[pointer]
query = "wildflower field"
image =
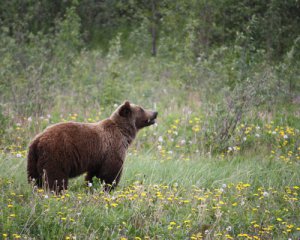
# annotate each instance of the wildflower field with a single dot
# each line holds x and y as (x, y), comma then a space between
(170, 189)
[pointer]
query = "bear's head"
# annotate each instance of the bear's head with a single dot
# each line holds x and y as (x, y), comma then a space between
(134, 115)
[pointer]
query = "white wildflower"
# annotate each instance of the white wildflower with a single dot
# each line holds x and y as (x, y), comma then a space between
(160, 139)
(229, 228)
(265, 194)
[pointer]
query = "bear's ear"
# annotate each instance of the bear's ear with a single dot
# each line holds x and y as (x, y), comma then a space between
(125, 109)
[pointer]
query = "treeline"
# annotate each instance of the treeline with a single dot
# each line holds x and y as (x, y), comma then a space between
(162, 27)
(60, 54)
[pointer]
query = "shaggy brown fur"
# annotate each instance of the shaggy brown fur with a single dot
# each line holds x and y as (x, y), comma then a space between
(66, 150)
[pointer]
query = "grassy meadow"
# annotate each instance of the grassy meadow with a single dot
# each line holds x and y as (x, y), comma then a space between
(170, 188)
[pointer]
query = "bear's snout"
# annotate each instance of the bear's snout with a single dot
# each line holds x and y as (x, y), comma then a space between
(151, 119)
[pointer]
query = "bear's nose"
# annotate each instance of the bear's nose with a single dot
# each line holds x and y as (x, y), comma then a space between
(155, 114)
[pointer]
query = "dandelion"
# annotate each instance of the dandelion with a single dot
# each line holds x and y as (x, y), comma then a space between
(196, 128)
(228, 236)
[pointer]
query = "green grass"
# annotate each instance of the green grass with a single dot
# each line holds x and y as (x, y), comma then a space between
(218, 198)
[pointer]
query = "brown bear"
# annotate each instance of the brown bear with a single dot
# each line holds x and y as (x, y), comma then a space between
(66, 150)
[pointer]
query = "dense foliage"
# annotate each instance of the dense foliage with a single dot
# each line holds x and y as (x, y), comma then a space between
(269, 25)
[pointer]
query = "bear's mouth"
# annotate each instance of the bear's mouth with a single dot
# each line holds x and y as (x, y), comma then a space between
(152, 119)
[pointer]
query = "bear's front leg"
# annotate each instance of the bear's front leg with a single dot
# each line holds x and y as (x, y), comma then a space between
(89, 176)
(111, 175)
